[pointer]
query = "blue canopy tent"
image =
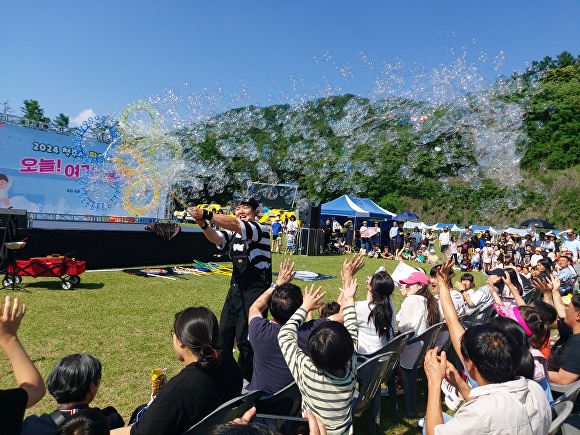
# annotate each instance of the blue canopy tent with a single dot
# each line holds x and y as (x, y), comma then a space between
(348, 206)
(356, 208)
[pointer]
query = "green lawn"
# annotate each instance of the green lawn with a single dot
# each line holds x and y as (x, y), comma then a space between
(125, 321)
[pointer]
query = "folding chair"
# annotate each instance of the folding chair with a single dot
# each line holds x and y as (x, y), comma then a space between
(397, 344)
(468, 320)
(568, 392)
(563, 410)
(370, 375)
(409, 376)
(229, 411)
(485, 313)
(287, 402)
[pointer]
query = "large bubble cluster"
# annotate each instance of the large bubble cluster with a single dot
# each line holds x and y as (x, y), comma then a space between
(196, 144)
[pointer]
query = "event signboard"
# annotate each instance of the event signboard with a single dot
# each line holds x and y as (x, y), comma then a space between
(40, 172)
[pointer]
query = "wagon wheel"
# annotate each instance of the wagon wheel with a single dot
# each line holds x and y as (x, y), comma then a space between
(7, 281)
(74, 279)
(66, 285)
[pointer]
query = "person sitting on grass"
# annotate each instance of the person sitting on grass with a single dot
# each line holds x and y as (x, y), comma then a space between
(328, 374)
(386, 254)
(210, 378)
(31, 389)
(73, 382)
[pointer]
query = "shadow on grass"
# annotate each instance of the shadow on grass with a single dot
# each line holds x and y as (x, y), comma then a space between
(56, 284)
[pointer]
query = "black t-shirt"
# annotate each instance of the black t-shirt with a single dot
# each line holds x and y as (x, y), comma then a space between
(12, 406)
(566, 356)
(189, 397)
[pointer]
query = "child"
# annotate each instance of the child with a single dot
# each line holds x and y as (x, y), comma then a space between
(386, 254)
(278, 242)
(432, 258)
(373, 252)
(421, 255)
(407, 252)
(327, 376)
(328, 310)
(476, 259)
(289, 243)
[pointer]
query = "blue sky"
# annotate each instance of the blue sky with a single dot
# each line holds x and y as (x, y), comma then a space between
(86, 57)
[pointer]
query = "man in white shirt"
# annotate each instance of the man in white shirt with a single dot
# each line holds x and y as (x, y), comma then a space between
(502, 402)
(572, 244)
(393, 235)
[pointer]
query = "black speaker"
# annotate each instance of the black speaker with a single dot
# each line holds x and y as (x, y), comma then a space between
(20, 215)
(311, 217)
(310, 241)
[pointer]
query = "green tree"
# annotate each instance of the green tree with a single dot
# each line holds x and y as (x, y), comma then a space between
(33, 111)
(61, 120)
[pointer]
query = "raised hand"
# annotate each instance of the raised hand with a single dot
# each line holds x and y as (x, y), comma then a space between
(312, 298)
(435, 366)
(286, 273)
(11, 318)
(348, 291)
(351, 266)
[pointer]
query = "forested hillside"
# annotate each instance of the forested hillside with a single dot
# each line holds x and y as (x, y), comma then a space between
(457, 163)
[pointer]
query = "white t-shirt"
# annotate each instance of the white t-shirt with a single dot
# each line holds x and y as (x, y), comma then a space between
(412, 317)
(458, 303)
(368, 339)
(480, 297)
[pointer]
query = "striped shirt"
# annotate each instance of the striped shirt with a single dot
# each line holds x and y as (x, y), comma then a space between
(253, 237)
(327, 396)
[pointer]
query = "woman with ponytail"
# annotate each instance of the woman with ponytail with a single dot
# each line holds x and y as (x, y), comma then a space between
(210, 378)
(419, 311)
(375, 316)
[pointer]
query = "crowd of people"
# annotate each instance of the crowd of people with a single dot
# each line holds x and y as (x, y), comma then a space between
(508, 360)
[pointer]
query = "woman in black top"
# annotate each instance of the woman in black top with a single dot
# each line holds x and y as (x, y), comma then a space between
(210, 378)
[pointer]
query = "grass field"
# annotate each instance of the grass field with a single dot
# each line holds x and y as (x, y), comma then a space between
(125, 320)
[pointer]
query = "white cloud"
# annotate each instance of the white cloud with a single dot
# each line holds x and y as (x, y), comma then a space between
(75, 121)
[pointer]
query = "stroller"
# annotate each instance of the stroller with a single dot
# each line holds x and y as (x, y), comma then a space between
(336, 246)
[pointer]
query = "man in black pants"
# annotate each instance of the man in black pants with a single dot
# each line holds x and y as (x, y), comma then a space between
(252, 271)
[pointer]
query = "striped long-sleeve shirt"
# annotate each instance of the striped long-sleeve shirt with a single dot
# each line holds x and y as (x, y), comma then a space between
(253, 243)
(327, 396)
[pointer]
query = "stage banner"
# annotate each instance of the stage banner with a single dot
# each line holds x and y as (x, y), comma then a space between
(40, 172)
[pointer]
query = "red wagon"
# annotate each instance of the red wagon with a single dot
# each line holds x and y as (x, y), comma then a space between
(63, 267)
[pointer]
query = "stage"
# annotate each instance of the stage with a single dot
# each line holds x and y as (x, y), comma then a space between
(114, 244)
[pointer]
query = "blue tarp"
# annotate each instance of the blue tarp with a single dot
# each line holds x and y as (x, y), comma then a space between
(354, 207)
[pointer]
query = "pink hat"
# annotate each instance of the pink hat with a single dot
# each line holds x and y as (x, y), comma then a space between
(416, 277)
(512, 312)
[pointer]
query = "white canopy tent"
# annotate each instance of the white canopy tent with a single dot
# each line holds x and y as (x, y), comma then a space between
(421, 225)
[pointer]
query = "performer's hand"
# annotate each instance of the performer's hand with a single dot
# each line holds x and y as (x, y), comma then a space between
(196, 212)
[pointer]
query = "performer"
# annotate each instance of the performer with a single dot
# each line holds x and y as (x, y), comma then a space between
(252, 271)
